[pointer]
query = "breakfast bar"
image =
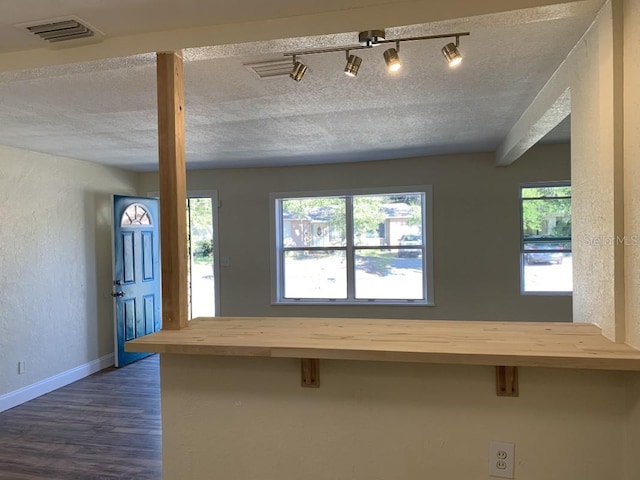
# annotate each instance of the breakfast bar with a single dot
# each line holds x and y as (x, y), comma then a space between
(233, 405)
(517, 344)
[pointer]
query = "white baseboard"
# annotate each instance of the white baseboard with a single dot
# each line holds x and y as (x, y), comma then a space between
(18, 397)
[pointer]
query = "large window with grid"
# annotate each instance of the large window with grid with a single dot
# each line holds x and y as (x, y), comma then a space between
(365, 246)
(545, 252)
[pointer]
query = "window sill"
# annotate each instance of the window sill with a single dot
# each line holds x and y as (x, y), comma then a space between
(547, 294)
(518, 344)
(364, 303)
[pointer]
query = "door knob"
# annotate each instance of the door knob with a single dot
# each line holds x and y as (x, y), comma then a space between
(118, 294)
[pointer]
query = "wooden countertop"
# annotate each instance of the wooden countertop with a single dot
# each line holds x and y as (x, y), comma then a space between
(563, 345)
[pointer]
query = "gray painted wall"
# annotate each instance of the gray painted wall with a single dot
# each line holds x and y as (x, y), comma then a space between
(476, 232)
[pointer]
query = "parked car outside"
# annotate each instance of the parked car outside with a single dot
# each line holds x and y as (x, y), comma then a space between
(549, 253)
(410, 240)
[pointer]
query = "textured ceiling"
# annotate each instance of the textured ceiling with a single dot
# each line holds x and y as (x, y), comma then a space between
(117, 18)
(105, 111)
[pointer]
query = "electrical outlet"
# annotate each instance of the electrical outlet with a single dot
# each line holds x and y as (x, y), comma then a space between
(501, 459)
(22, 367)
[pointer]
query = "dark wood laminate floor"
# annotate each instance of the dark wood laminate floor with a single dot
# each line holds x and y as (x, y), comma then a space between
(106, 426)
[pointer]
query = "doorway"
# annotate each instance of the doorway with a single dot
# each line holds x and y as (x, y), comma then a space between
(202, 250)
(136, 273)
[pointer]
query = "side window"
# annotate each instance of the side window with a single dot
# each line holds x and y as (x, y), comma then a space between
(545, 249)
(364, 247)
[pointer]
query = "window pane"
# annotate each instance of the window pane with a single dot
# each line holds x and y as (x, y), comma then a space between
(385, 274)
(315, 274)
(385, 219)
(545, 192)
(135, 214)
(549, 272)
(546, 218)
(546, 233)
(313, 222)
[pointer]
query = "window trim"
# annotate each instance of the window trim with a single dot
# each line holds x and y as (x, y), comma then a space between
(277, 259)
(521, 250)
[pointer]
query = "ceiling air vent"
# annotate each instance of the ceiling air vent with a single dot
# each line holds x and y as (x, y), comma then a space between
(61, 29)
(276, 68)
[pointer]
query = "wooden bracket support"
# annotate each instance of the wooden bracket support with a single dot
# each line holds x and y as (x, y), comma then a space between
(310, 369)
(507, 382)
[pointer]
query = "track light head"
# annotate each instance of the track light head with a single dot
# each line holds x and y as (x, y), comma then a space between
(452, 54)
(353, 65)
(392, 60)
(298, 70)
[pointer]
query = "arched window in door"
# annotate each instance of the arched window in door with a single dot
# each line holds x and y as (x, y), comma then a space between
(135, 215)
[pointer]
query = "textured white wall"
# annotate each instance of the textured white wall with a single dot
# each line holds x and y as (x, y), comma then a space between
(632, 166)
(248, 418)
(596, 173)
(632, 218)
(590, 204)
(55, 263)
(476, 228)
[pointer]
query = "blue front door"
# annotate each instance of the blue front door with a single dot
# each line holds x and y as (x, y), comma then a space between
(136, 283)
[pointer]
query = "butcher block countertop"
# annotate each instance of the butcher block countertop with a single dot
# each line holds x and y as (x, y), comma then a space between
(519, 344)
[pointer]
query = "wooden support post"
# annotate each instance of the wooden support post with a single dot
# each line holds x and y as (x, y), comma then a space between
(173, 191)
(507, 382)
(310, 372)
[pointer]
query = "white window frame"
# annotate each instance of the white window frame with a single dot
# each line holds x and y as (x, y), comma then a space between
(277, 259)
(564, 183)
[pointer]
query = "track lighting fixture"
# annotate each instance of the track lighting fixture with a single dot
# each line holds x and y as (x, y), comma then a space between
(298, 70)
(372, 38)
(353, 65)
(452, 54)
(392, 59)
